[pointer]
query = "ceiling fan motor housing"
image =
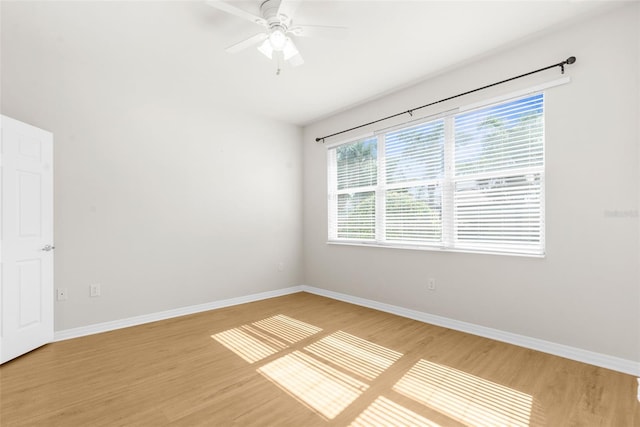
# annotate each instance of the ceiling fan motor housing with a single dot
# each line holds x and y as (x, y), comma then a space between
(269, 11)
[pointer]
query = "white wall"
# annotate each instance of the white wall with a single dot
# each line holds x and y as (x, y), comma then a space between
(165, 197)
(156, 196)
(585, 293)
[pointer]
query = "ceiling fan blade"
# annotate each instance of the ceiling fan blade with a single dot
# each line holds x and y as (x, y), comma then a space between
(255, 39)
(226, 7)
(321, 31)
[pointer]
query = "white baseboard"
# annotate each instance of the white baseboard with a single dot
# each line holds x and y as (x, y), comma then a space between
(163, 315)
(580, 355)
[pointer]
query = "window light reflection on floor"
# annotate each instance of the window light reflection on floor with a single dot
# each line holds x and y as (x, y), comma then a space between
(256, 341)
(266, 338)
(317, 385)
(286, 328)
(384, 412)
(464, 397)
(354, 354)
(244, 345)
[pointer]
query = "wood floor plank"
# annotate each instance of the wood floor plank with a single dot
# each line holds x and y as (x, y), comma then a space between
(305, 360)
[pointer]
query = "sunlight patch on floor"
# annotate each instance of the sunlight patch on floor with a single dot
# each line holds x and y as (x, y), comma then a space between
(354, 354)
(464, 397)
(385, 412)
(286, 328)
(256, 341)
(317, 385)
(314, 376)
(243, 344)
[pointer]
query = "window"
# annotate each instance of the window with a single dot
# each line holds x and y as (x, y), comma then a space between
(473, 181)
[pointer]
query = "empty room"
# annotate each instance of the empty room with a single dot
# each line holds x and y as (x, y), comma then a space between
(320, 213)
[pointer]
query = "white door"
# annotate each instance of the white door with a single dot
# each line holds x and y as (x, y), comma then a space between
(26, 236)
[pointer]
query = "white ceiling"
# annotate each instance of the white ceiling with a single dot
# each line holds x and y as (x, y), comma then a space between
(177, 48)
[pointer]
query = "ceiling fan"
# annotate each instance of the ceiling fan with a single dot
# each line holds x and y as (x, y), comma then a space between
(275, 41)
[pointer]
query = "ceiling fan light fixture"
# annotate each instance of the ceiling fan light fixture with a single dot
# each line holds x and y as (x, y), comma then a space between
(266, 49)
(278, 39)
(289, 50)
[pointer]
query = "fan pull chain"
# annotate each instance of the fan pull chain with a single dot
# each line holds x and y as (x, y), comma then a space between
(279, 64)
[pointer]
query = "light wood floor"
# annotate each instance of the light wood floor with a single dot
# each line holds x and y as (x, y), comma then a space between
(305, 360)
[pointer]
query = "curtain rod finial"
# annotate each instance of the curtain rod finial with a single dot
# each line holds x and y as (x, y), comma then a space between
(570, 60)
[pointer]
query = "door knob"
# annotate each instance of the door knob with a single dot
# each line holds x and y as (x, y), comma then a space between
(48, 248)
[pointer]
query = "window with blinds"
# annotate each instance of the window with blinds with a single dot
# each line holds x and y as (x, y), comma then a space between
(472, 182)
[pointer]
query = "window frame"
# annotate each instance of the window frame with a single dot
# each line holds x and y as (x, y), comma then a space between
(447, 182)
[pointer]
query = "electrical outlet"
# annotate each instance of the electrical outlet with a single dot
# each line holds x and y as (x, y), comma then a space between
(94, 290)
(431, 284)
(61, 294)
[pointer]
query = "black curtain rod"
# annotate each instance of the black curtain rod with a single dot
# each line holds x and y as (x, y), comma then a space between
(568, 61)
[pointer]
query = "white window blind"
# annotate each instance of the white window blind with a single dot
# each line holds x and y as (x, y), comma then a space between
(477, 187)
(414, 160)
(353, 210)
(499, 161)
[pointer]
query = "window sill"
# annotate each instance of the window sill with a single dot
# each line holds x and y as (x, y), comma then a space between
(432, 248)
